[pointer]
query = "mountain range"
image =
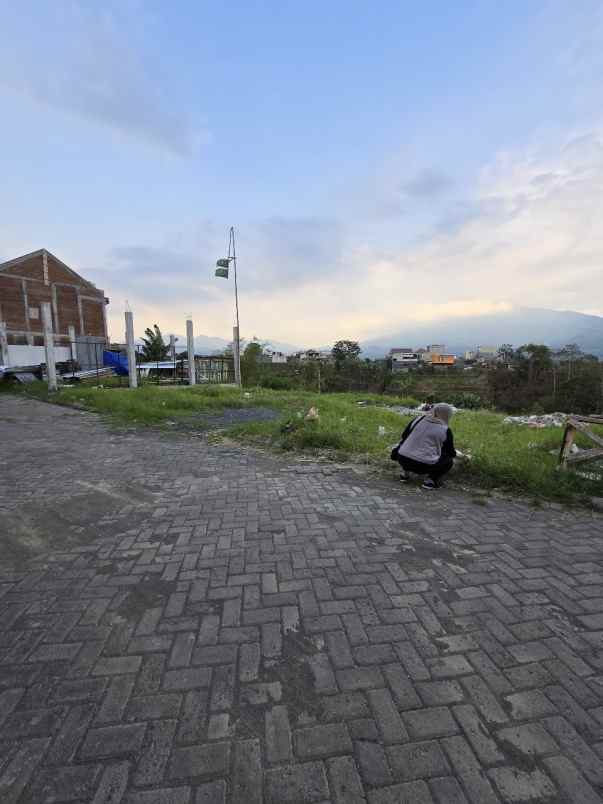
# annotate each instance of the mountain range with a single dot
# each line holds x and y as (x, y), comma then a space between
(518, 326)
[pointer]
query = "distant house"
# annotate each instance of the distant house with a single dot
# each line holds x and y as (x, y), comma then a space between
(274, 357)
(443, 360)
(78, 312)
(314, 354)
(487, 353)
(403, 359)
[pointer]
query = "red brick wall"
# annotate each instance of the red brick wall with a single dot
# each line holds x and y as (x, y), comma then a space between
(32, 268)
(66, 285)
(67, 308)
(11, 302)
(93, 318)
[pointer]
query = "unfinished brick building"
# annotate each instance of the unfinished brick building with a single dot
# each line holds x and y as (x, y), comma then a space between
(78, 311)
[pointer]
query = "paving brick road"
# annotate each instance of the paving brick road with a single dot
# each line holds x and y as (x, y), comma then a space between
(187, 623)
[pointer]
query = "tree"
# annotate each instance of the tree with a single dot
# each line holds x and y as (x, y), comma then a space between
(570, 353)
(506, 352)
(250, 363)
(538, 358)
(153, 348)
(344, 352)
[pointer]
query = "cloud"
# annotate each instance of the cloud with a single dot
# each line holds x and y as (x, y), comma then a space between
(427, 184)
(529, 235)
(291, 252)
(94, 70)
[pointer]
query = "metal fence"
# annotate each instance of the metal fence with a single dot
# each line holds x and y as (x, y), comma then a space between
(88, 365)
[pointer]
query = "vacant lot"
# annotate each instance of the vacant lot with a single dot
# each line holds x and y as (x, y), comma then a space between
(350, 427)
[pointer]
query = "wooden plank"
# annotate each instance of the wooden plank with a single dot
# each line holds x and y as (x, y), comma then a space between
(594, 419)
(588, 433)
(585, 455)
(569, 435)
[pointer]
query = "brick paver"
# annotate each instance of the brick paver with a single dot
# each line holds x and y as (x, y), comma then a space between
(193, 623)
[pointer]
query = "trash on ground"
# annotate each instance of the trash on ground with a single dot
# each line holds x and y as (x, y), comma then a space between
(381, 430)
(312, 415)
(539, 421)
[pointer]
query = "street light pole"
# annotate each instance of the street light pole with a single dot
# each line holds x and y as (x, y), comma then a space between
(237, 338)
(222, 267)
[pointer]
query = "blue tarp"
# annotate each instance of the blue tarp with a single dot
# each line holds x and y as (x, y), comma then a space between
(117, 361)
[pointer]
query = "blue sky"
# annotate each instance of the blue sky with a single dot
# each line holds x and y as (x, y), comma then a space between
(407, 161)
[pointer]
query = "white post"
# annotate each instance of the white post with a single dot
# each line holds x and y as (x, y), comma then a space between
(173, 347)
(237, 355)
(51, 371)
(131, 350)
(72, 344)
(3, 345)
(190, 344)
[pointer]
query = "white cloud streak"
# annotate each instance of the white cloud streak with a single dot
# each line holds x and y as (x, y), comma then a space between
(92, 68)
(533, 238)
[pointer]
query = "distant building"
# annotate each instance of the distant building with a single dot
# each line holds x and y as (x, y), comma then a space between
(78, 312)
(440, 359)
(403, 359)
(274, 357)
(314, 354)
(487, 352)
(470, 356)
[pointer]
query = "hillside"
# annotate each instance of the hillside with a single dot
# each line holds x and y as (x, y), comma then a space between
(522, 325)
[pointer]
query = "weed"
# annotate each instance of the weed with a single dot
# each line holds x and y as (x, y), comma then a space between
(502, 456)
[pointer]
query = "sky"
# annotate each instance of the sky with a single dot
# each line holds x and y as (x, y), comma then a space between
(381, 163)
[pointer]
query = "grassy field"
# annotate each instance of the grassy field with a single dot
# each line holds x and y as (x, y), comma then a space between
(503, 456)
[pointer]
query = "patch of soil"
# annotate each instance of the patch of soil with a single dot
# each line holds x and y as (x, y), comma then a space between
(298, 693)
(421, 553)
(145, 595)
(295, 675)
(228, 418)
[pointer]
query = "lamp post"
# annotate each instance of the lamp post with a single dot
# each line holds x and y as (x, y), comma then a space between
(222, 267)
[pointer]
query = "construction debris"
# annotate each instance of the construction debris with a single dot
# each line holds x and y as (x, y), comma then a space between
(538, 421)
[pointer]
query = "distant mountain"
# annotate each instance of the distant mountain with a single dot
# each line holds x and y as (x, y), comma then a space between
(521, 325)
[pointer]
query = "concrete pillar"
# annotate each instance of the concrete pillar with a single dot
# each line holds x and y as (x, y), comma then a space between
(80, 311)
(173, 347)
(3, 345)
(51, 371)
(133, 378)
(190, 345)
(72, 343)
(236, 348)
(55, 309)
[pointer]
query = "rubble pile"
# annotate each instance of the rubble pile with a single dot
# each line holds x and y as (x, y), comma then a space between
(538, 421)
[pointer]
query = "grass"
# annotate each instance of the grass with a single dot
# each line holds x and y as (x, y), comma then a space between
(503, 456)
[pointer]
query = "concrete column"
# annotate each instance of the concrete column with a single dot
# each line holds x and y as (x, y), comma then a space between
(51, 371)
(173, 347)
(72, 343)
(236, 348)
(55, 309)
(3, 345)
(131, 351)
(26, 308)
(190, 345)
(80, 311)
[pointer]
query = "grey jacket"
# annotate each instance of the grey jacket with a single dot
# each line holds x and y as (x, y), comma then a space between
(426, 441)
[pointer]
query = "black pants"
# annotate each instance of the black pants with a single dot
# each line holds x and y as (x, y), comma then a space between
(433, 470)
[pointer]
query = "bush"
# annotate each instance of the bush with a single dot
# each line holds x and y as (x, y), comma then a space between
(276, 383)
(466, 400)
